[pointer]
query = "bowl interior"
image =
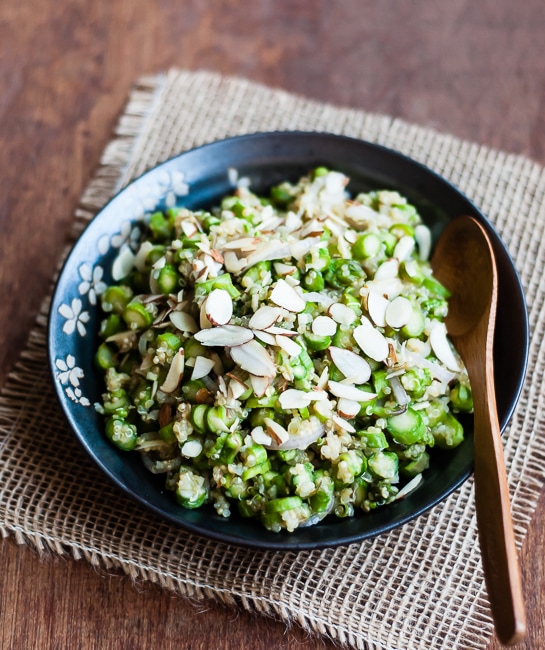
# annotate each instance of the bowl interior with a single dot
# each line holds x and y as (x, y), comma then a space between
(197, 179)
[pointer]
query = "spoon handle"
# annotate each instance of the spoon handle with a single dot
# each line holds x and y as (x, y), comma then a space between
(496, 536)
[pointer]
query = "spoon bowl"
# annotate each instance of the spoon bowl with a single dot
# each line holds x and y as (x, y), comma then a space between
(464, 262)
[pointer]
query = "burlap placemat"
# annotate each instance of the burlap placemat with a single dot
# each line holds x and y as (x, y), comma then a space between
(420, 586)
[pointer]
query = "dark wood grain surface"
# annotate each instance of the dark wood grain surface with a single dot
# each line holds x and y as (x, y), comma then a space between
(474, 69)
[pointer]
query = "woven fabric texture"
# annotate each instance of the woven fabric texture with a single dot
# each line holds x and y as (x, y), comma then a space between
(420, 586)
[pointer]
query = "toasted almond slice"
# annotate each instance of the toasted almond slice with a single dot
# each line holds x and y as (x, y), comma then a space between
(254, 358)
(341, 313)
(319, 298)
(411, 485)
(388, 269)
(232, 263)
(317, 394)
(389, 288)
(288, 345)
(350, 364)
(123, 263)
(175, 373)
(347, 408)
(276, 431)
(343, 424)
(284, 269)
(267, 338)
(372, 342)
(312, 227)
(292, 281)
(225, 336)
(216, 256)
(376, 306)
(422, 235)
(260, 437)
(273, 249)
(242, 244)
(260, 385)
(441, 346)
(323, 379)
(323, 326)
(404, 248)
(286, 296)
(300, 247)
(349, 392)
(203, 318)
(219, 307)
(183, 321)
(142, 255)
(236, 386)
(202, 367)
(398, 312)
(265, 317)
(281, 330)
(293, 222)
(360, 213)
(294, 399)
(189, 228)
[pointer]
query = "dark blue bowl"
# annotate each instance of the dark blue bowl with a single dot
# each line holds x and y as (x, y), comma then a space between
(199, 178)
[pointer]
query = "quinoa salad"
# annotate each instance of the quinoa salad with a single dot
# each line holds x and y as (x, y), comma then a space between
(283, 357)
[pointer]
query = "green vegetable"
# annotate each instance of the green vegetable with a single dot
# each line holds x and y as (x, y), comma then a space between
(218, 372)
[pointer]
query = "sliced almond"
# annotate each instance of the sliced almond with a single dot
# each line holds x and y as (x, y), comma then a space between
(232, 263)
(142, 255)
(407, 489)
(398, 312)
(350, 364)
(372, 342)
(203, 366)
(276, 431)
(349, 392)
(123, 263)
(347, 408)
(236, 386)
(266, 337)
(341, 313)
(183, 321)
(175, 373)
(343, 424)
(312, 227)
(260, 437)
(216, 256)
(404, 248)
(265, 317)
(422, 235)
(284, 269)
(260, 385)
(219, 307)
(225, 336)
(254, 358)
(323, 326)
(389, 287)
(243, 244)
(441, 346)
(281, 330)
(388, 269)
(189, 228)
(294, 399)
(319, 298)
(376, 306)
(203, 318)
(288, 345)
(273, 249)
(286, 296)
(300, 247)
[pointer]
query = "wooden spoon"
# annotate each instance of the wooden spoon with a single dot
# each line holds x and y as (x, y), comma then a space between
(464, 262)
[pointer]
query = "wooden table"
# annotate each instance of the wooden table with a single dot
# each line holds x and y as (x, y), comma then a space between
(476, 70)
